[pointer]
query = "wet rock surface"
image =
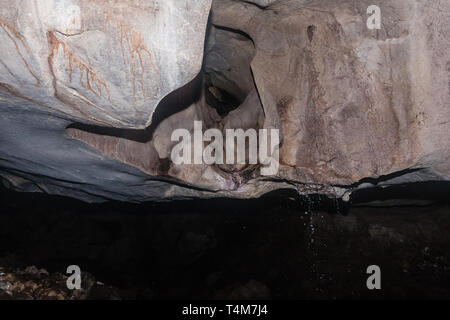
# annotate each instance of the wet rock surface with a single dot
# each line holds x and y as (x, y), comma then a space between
(279, 246)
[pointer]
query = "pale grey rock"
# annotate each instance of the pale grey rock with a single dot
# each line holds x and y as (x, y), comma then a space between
(355, 107)
(108, 62)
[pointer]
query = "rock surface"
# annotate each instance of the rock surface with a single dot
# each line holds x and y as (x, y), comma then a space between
(106, 62)
(82, 86)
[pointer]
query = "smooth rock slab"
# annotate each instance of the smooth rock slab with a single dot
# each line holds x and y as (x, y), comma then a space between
(108, 62)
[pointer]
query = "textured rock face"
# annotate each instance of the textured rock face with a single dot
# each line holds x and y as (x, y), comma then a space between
(108, 62)
(80, 83)
(351, 102)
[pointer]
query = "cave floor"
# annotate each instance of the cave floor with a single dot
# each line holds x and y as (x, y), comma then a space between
(271, 248)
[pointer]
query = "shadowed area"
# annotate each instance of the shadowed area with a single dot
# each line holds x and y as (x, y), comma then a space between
(278, 246)
(174, 102)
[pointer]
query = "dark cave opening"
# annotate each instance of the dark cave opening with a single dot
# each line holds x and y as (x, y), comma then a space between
(221, 100)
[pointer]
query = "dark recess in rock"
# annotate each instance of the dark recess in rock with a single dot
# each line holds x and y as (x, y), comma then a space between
(91, 92)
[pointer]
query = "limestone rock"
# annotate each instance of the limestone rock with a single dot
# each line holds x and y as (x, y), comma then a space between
(82, 86)
(107, 62)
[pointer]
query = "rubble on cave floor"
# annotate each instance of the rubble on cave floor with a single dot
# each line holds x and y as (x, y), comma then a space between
(31, 283)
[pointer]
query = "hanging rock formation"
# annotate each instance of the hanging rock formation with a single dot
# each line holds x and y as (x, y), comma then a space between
(90, 93)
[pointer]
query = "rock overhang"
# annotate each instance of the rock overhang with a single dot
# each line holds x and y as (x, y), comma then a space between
(351, 104)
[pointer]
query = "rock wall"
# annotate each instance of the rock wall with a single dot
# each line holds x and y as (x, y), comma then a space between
(85, 108)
